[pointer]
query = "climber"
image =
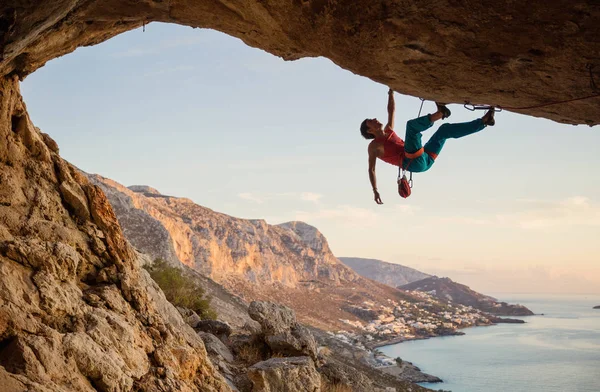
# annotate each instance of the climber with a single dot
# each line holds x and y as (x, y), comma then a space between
(411, 155)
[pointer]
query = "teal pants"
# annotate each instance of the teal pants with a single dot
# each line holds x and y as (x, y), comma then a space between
(412, 140)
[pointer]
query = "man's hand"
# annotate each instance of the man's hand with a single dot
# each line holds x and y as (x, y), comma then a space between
(377, 197)
(391, 108)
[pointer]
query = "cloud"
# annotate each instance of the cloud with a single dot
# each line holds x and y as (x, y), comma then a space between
(407, 209)
(251, 197)
(465, 220)
(310, 196)
(343, 214)
(573, 211)
(263, 197)
(534, 214)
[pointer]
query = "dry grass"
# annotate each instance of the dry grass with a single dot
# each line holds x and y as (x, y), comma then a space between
(250, 354)
(325, 352)
(326, 386)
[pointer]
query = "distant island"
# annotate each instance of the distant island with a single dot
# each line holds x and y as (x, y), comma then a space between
(597, 307)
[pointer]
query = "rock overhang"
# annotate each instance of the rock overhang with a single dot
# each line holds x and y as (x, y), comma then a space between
(512, 54)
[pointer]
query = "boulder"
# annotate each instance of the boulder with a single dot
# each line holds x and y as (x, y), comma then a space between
(215, 327)
(215, 347)
(273, 318)
(190, 317)
(74, 196)
(294, 374)
(281, 331)
(336, 373)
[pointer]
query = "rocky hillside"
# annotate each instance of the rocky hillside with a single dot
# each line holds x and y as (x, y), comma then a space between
(225, 248)
(76, 311)
(387, 273)
(289, 263)
(447, 290)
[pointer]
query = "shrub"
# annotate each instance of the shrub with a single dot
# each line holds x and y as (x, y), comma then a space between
(327, 386)
(180, 289)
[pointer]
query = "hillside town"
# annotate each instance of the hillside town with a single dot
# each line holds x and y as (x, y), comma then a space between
(402, 320)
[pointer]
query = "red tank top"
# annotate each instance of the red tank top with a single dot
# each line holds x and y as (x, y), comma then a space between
(393, 148)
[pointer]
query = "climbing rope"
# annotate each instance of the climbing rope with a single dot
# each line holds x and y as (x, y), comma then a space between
(596, 93)
(422, 100)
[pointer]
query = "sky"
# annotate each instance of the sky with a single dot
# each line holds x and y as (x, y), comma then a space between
(195, 113)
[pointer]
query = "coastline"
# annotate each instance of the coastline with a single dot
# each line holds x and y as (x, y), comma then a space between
(406, 370)
(390, 342)
(483, 350)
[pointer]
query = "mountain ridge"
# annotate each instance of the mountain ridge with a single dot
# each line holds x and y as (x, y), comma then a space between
(382, 271)
(447, 289)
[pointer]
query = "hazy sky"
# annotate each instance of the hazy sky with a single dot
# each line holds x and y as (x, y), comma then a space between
(195, 113)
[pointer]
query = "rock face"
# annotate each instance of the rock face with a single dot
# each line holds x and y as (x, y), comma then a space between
(387, 273)
(512, 54)
(295, 374)
(445, 289)
(289, 263)
(220, 246)
(76, 311)
(281, 331)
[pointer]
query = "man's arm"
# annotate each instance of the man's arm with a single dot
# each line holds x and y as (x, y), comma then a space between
(372, 176)
(391, 108)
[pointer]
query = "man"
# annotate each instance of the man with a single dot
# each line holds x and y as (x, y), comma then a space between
(411, 154)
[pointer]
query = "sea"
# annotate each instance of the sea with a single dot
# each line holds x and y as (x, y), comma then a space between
(558, 351)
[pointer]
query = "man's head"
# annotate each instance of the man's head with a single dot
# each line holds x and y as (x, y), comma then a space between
(371, 128)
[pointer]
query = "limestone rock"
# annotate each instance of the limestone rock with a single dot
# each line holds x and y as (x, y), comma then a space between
(190, 317)
(230, 250)
(295, 374)
(339, 374)
(215, 347)
(74, 197)
(273, 318)
(512, 54)
(144, 189)
(76, 311)
(215, 327)
(281, 331)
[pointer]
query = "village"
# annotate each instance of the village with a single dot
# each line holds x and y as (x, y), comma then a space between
(402, 320)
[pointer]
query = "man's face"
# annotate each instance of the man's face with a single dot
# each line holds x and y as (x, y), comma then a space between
(375, 127)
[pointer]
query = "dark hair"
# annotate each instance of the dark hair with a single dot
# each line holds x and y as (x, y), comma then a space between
(364, 130)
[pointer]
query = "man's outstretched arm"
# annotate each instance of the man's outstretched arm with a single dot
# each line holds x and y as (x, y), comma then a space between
(372, 177)
(391, 108)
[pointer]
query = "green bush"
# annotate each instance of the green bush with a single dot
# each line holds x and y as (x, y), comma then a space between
(181, 290)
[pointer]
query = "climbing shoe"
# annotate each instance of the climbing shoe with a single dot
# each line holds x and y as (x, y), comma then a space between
(442, 108)
(488, 118)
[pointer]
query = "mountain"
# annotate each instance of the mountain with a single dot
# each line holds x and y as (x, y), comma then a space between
(447, 290)
(221, 246)
(290, 263)
(387, 273)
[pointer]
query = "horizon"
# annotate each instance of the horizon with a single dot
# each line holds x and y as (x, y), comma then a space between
(507, 215)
